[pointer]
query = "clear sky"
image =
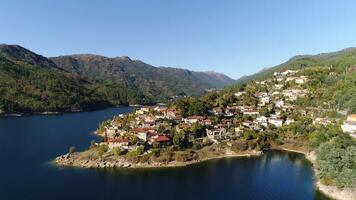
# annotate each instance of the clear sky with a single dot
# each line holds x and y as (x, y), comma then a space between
(230, 36)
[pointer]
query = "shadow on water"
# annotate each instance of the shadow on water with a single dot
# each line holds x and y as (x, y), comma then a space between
(28, 143)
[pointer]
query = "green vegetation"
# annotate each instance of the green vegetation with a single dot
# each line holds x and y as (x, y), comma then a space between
(138, 151)
(336, 161)
(331, 85)
(28, 88)
(192, 106)
(334, 78)
(103, 125)
(101, 149)
(32, 83)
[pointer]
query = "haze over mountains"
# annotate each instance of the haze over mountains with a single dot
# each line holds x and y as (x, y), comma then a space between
(34, 83)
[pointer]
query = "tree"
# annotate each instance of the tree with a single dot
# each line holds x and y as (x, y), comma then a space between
(198, 130)
(336, 160)
(179, 140)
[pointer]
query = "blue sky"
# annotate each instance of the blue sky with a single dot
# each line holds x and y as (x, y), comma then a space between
(230, 36)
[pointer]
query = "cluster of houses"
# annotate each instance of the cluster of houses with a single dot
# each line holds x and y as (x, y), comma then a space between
(153, 124)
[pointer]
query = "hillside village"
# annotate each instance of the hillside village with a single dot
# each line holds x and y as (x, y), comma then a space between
(295, 110)
(271, 107)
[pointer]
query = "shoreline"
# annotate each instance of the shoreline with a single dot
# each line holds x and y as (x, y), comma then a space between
(330, 191)
(68, 160)
(6, 114)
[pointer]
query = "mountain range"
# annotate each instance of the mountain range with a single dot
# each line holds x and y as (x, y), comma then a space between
(33, 83)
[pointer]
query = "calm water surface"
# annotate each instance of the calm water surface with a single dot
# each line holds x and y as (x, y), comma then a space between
(28, 143)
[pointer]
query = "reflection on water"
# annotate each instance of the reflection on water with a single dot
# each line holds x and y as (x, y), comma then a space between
(28, 143)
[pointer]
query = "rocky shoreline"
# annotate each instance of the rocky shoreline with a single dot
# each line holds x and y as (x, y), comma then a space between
(74, 160)
(329, 190)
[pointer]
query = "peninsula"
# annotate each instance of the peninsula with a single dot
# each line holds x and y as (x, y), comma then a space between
(279, 111)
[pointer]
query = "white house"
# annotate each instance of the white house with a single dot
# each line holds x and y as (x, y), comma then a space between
(279, 104)
(275, 121)
(278, 86)
(118, 142)
(193, 119)
(237, 94)
(349, 126)
(289, 121)
(322, 121)
(215, 133)
(250, 112)
(301, 80)
(262, 120)
(265, 100)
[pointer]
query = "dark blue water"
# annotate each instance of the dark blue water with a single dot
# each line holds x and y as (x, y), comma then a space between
(28, 143)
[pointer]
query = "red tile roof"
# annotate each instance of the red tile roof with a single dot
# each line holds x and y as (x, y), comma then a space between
(162, 138)
(196, 117)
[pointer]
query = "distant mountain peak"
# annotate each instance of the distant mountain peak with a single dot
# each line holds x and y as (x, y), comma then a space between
(19, 53)
(126, 58)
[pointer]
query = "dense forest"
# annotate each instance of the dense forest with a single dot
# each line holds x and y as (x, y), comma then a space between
(27, 88)
(32, 83)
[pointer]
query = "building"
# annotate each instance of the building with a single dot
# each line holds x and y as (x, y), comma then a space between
(237, 94)
(289, 121)
(142, 133)
(301, 80)
(160, 139)
(217, 133)
(120, 142)
(262, 120)
(349, 126)
(275, 121)
(322, 121)
(217, 111)
(193, 119)
(250, 111)
(279, 104)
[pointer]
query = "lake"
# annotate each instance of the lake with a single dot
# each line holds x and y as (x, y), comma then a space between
(28, 144)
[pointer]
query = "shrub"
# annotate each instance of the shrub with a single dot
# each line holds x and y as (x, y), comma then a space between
(118, 151)
(101, 149)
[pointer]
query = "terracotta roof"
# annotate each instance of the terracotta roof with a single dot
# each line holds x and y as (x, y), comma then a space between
(351, 118)
(162, 138)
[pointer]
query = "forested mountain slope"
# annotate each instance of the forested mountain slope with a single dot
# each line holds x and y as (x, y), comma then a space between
(153, 82)
(33, 83)
(332, 78)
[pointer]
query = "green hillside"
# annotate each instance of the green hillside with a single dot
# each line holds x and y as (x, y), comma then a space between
(152, 82)
(333, 78)
(33, 83)
(28, 88)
